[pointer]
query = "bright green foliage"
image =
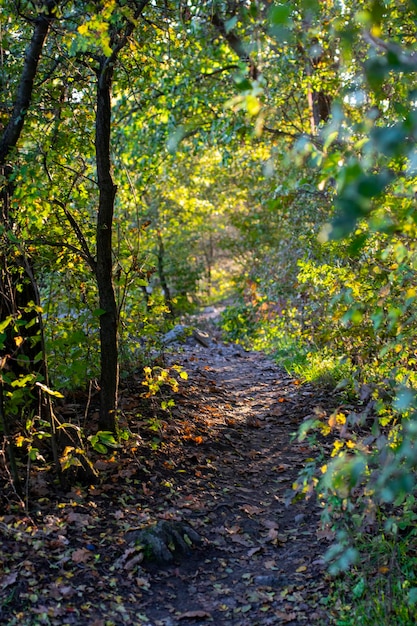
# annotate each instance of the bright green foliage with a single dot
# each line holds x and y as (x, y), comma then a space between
(344, 313)
(270, 143)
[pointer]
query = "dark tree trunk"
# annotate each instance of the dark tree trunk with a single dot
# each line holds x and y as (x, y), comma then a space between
(11, 133)
(17, 283)
(17, 292)
(109, 378)
(104, 267)
(162, 277)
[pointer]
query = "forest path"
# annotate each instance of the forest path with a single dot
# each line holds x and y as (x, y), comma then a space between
(223, 461)
(263, 564)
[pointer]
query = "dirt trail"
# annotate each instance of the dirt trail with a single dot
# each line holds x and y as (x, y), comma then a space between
(224, 464)
(263, 564)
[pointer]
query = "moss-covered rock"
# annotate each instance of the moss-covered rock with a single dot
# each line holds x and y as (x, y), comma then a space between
(165, 540)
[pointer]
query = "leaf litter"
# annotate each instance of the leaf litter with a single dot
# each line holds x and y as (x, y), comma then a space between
(221, 464)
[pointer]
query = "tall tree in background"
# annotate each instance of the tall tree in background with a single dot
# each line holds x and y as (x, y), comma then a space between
(17, 283)
(20, 352)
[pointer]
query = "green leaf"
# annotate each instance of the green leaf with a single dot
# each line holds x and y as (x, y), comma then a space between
(359, 588)
(98, 312)
(5, 323)
(280, 14)
(243, 84)
(107, 438)
(405, 399)
(377, 11)
(376, 69)
(230, 24)
(358, 243)
(373, 185)
(391, 141)
(412, 593)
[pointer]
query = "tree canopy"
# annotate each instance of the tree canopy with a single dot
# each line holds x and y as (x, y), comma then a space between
(159, 156)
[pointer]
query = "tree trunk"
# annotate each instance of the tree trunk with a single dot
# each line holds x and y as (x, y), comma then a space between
(11, 133)
(104, 267)
(162, 277)
(17, 286)
(17, 292)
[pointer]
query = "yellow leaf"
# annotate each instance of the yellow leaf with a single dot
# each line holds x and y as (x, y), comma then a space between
(49, 391)
(18, 340)
(337, 446)
(253, 106)
(83, 29)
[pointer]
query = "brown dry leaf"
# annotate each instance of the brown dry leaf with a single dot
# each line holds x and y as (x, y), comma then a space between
(133, 562)
(194, 614)
(325, 533)
(272, 534)
(253, 422)
(79, 519)
(146, 490)
(269, 523)
(81, 555)
(121, 561)
(8, 580)
(101, 466)
(127, 472)
(240, 540)
(282, 467)
(60, 592)
(285, 617)
(143, 583)
(251, 509)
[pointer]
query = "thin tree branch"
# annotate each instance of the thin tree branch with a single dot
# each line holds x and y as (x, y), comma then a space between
(86, 254)
(409, 59)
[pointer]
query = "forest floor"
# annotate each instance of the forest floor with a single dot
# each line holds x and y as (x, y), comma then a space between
(223, 463)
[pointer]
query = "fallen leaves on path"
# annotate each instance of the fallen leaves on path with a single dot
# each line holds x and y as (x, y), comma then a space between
(222, 462)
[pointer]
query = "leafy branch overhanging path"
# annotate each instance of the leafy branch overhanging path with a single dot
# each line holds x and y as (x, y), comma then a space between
(225, 465)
